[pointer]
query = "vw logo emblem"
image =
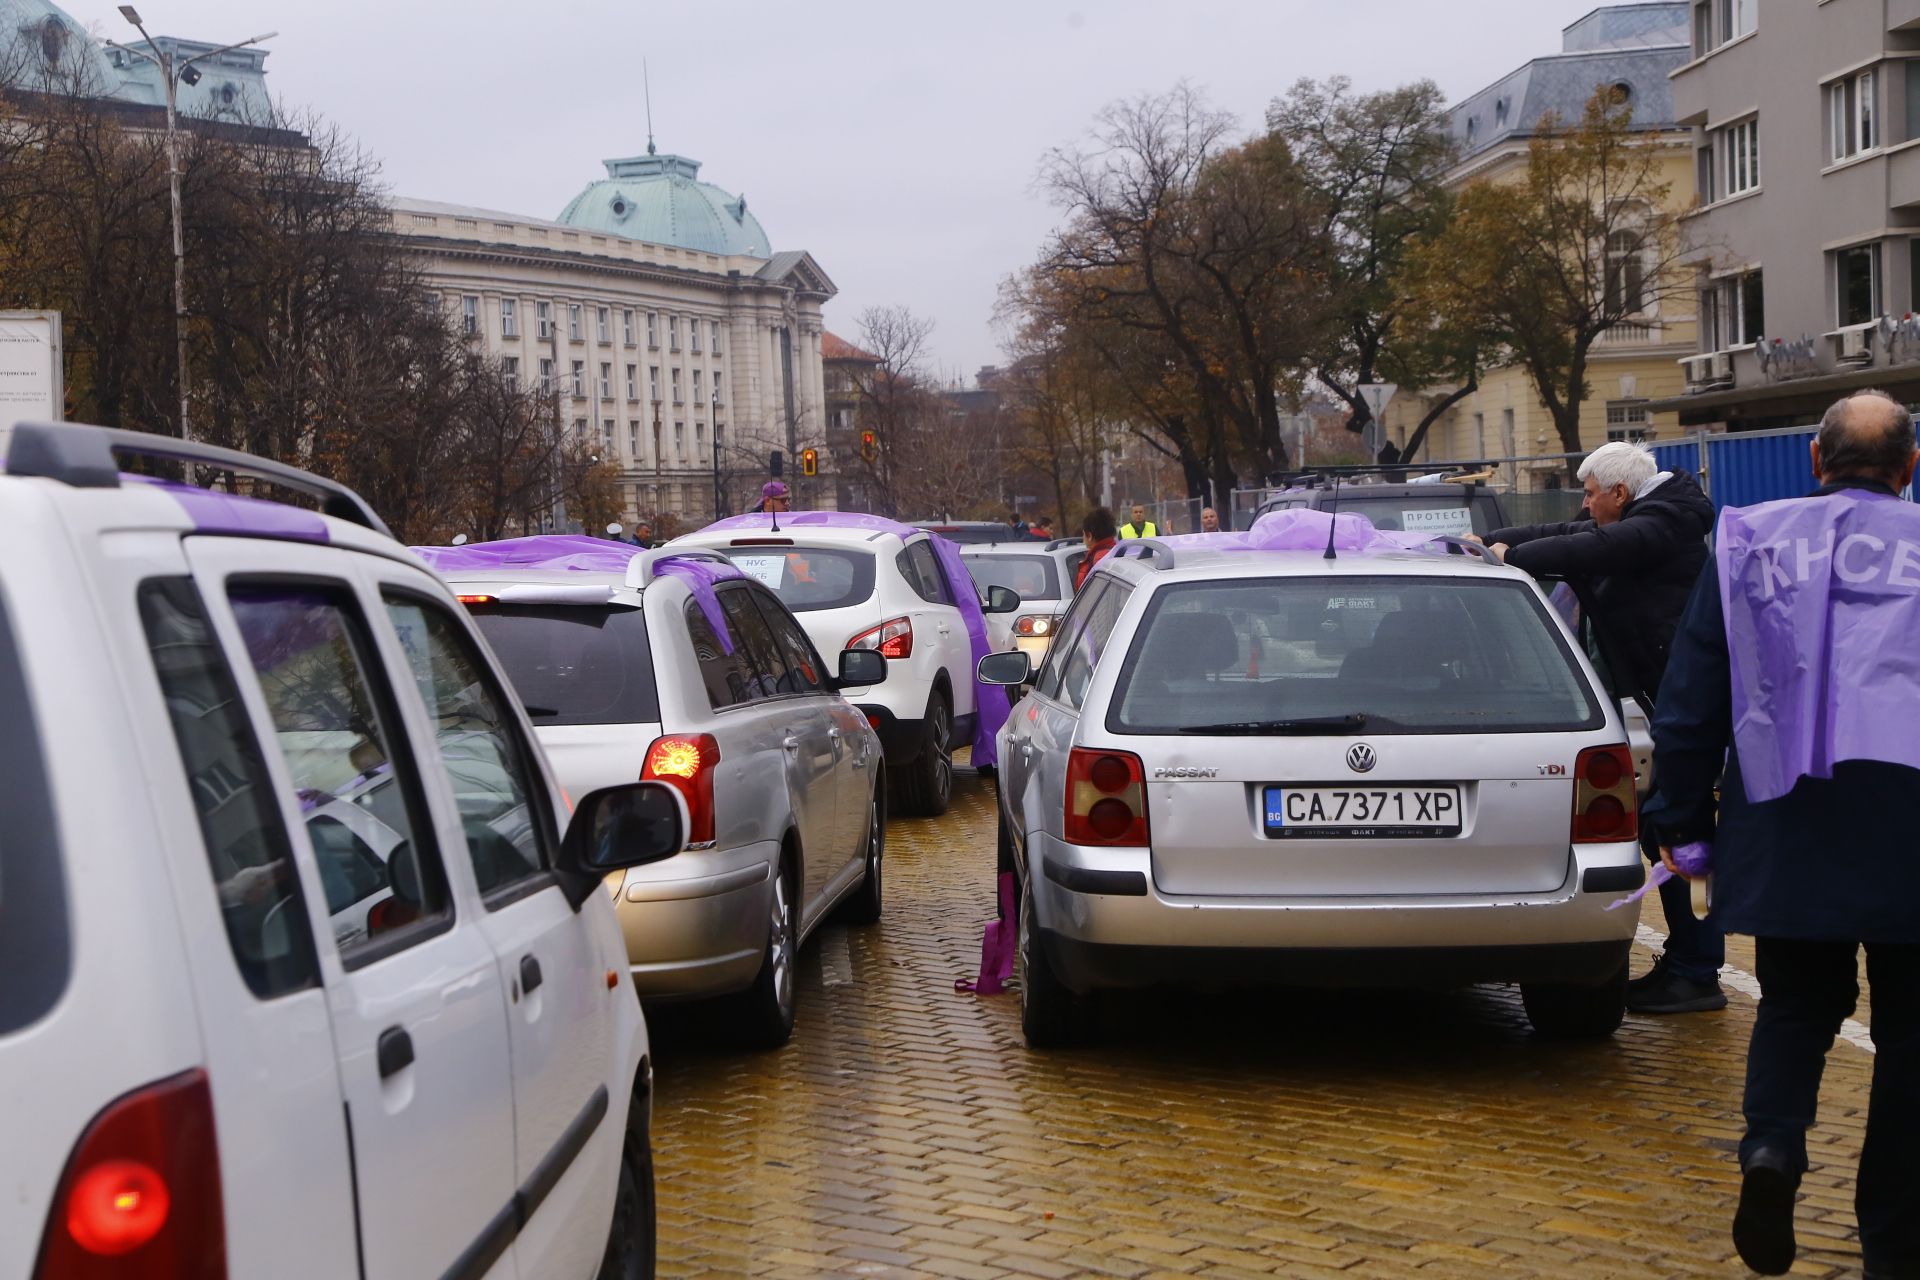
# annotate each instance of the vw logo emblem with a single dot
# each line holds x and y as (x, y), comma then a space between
(1360, 758)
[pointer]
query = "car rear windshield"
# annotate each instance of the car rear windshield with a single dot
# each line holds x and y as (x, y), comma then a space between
(1032, 576)
(1438, 515)
(574, 664)
(1368, 655)
(808, 577)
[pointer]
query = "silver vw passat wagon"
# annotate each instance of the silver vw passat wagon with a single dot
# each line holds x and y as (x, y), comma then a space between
(1383, 769)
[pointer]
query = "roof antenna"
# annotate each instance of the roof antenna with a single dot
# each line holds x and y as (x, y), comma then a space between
(1333, 512)
(646, 87)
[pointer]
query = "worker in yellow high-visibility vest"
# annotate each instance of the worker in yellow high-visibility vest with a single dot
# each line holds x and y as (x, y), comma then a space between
(1139, 526)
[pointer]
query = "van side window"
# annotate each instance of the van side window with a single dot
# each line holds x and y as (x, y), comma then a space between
(359, 795)
(725, 674)
(480, 747)
(752, 640)
(921, 569)
(247, 846)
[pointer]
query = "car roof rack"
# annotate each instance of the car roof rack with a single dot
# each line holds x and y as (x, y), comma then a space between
(1155, 552)
(1059, 543)
(83, 457)
(641, 569)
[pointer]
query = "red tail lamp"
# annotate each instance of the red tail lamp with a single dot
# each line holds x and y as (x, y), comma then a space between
(894, 639)
(686, 761)
(1605, 808)
(1106, 798)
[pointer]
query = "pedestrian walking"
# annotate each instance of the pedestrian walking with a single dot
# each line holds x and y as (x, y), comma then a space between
(1139, 526)
(1101, 537)
(1209, 520)
(1639, 556)
(1789, 705)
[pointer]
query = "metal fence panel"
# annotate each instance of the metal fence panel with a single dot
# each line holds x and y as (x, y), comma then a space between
(1681, 455)
(1746, 468)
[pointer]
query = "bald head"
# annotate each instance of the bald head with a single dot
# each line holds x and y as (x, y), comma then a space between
(1869, 435)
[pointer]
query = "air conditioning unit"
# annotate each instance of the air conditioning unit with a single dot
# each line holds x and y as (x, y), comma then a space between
(1708, 372)
(1854, 345)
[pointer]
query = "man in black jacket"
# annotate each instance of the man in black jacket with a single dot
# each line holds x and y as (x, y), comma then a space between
(1824, 860)
(1638, 558)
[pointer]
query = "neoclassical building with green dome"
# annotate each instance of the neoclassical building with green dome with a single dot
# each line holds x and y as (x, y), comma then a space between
(656, 311)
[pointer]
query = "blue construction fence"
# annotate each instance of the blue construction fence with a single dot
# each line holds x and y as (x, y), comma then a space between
(1744, 467)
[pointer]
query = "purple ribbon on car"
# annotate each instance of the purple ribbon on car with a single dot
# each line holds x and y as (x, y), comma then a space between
(1299, 529)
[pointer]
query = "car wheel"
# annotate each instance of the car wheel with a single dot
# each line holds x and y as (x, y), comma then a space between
(630, 1241)
(1051, 1015)
(1565, 1011)
(761, 1017)
(926, 783)
(863, 907)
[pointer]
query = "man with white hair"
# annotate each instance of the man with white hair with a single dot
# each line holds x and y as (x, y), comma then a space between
(1635, 562)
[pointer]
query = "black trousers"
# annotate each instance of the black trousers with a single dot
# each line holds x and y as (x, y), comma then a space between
(1807, 989)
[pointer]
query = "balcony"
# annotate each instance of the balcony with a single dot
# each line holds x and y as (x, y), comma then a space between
(1633, 333)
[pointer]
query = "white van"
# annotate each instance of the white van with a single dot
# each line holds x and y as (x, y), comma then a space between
(302, 978)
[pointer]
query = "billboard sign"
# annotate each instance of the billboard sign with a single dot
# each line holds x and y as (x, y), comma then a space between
(30, 381)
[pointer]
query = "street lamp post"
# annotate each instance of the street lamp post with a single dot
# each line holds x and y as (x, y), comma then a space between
(171, 73)
(719, 493)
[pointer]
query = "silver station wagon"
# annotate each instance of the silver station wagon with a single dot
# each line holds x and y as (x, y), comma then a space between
(1389, 769)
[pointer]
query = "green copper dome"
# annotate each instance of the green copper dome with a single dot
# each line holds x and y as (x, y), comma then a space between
(660, 199)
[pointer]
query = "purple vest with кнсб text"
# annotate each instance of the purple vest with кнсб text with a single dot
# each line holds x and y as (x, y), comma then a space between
(1822, 601)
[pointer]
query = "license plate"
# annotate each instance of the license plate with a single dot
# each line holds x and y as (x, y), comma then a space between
(1378, 813)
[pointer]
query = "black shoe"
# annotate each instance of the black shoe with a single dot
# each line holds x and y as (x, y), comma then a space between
(1763, 1225)
(1671, 993)
(1652, 977)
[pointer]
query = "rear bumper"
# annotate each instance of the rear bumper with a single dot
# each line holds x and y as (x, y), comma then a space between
(901, 738)
(695, 935)
(1108, 924)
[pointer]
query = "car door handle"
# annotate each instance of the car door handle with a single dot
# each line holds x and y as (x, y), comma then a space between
(393, 1051)
(791, 744)
(835, 734)
(530, 977)
(1026, 751)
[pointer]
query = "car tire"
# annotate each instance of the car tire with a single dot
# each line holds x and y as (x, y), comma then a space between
(925, 786)
(1052, 1016)
(1565, 1011)
(863, 906)
(631, 1238)
(761, 1017)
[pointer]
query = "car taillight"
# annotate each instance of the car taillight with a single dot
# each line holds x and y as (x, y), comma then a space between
(1605, 808)
(1106, 798)
(1034, 624)
(893, 639)
(686, 761)
(140, 1196)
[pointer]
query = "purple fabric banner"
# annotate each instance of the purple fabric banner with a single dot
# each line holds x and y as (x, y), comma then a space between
(1299, 529)
(762, 522)
(1822, 602)
(230, 513)
(700, 575)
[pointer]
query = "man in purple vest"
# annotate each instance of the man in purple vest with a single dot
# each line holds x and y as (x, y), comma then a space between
(1794, 685)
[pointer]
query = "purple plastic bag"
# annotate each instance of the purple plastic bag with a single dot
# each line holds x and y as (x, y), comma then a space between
(998, 944)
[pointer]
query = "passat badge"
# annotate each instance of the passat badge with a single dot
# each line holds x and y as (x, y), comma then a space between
(1360, 758)
(1187, 772)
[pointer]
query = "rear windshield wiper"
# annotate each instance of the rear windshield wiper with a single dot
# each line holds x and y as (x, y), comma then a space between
(1311, 724)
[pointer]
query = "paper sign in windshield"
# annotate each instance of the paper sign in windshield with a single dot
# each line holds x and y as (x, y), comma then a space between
(765, 570)
(1439, 521)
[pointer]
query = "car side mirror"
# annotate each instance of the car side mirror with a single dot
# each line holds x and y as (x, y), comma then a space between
(618, 827)
(1002, 600)
(861, 667)
(1010, 668)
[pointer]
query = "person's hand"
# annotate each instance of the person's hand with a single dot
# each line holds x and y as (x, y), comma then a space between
(1473, 537)
(1499, 550)
(1666, 860)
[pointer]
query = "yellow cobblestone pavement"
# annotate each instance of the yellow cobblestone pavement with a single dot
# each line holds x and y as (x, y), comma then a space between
(907, 1130)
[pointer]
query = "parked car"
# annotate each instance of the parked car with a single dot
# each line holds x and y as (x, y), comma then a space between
(1040, 574)
(854, 587)
(1380, 770)
(625, 675)
(303, 979)
(1440, 509)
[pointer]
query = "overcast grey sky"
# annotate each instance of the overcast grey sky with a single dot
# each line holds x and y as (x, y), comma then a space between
(896, 141)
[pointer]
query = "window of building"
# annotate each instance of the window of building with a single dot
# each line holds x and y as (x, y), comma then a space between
(717, 398)
(470, 315)
(1740, 144)
(696, 388)
(573, 321)
(714, 332)
(700, 441)
(680, 441)
(1626, 273)
(603, 325)
(1732, 311)
(1629, 420)
(1715, 22)
(626, 327)
(633, 382)
(509, 318)
(653, 332)
(633, 440)
(653, 383)
(543, 320)
(546, 377)
(510, 372)
(580, 379)
(1857, 272)
(693, 335)
(606, 434)
(580, 430)
(673, 333)
(1852, 116)
(606, 381)
(676, 386)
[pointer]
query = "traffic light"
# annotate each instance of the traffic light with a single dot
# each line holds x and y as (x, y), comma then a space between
(869, 445)
(776, 464)
(809, 462)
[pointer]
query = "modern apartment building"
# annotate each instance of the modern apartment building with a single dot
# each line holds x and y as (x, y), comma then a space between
(1806, 136)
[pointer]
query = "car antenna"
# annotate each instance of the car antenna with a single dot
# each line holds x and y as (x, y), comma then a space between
(1333, 511)
(774, 514)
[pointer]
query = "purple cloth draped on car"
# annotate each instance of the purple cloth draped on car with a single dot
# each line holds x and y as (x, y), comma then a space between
(1299, 529)
(989, 700)
(1822, 602)
(588, 555)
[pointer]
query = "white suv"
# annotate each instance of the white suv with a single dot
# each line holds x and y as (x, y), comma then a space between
(1385, 769)
(626, 675)
(863, 582)
(302, 979)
